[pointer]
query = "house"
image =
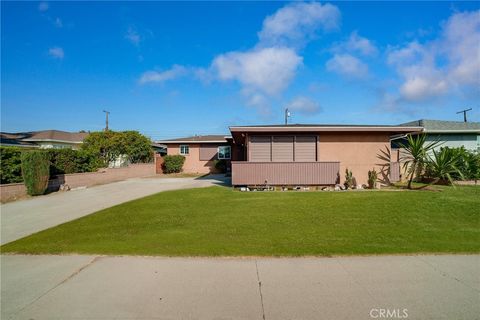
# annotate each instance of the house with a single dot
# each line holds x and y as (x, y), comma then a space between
(302, 155)
(450, 133)
(200, 152)
(45, 139)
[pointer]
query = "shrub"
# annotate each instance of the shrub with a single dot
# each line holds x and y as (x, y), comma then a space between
(349, 179)
(372, 178)
(110, 145)
(173, 163)
(72, 161)
(11, 165)
(35, 171)
(221, 165)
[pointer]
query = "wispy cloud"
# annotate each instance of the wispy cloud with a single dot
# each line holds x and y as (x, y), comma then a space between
(296, 23)
(43, 6)
(133, 36)
(448, 64)
(58, 23)
(347, 65)
(154, 76)
(56, 52)
(304, 105)
(356, 44)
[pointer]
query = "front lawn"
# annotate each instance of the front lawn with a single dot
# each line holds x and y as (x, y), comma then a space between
(219, 221)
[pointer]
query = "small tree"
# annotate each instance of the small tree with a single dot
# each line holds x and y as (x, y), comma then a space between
(173, 163)
(35, 171)
(372, 178)
(415, 154)
(109, 145)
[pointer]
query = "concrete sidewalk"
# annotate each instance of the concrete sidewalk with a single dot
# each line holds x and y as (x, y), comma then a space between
(90, 287)
(22, 218)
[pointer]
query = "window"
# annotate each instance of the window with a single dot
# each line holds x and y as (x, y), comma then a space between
(184, 149)
(224, 152)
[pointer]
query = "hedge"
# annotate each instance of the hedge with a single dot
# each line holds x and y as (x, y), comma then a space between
(173, 163)
(64, 161)
(35, 171)
(11, 165)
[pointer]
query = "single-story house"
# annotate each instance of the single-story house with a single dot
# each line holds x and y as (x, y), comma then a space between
(44, 139)
(200, 152)
(452, 134)
(302, 155)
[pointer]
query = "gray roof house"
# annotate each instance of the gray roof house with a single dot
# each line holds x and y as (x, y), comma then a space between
(452, 133)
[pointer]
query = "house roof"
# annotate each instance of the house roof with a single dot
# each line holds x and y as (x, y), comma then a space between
(57, 136)
(214, 138)
(325, 128)
(15, 139)
(28, 139)
(440, 126)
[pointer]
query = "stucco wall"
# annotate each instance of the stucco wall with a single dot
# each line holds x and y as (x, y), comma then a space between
(192, 164)
(13, 191)
(357, 152)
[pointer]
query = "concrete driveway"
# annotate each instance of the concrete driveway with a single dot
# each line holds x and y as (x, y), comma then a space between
(96, 287)
(22, 218)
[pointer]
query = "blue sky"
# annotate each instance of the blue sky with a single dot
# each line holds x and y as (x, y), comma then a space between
(175, 69)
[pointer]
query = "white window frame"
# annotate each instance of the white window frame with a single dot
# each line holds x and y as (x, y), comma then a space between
(224, 158)
(183, 146)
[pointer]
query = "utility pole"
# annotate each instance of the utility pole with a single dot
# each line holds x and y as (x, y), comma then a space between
(106, 120)
(464, 114)
(287, 115)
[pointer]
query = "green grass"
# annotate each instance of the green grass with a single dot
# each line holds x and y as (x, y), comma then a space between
(218, 221)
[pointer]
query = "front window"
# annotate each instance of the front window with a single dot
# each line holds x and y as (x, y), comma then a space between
(224, 152)
(184, 149)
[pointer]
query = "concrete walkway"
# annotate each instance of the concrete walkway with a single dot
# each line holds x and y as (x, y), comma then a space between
(92, 287)
(22, 218)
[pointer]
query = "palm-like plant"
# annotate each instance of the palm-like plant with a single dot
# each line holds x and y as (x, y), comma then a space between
(415, 153)
(443, 165)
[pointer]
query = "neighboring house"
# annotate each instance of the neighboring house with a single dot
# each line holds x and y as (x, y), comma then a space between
(200, 152)
(302, 155)
(450, 133)
(45, 139)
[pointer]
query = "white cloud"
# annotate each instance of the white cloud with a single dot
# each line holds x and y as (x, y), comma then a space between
(358, 44)
(43, 6)
(56, 52)
(450, 63)
(133, 36)
(268, 70)
(347, 65)
(304, 105)
(161, 76)
(298, 21)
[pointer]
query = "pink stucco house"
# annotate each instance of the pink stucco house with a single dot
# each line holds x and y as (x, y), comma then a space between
(200, 152)
(294, 155)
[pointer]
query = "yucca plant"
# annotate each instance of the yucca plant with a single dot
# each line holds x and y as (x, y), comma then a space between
(415, 154)
(443, 165)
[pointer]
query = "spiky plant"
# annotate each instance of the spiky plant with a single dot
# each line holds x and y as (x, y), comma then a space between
(415, 154)
(443, 165)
